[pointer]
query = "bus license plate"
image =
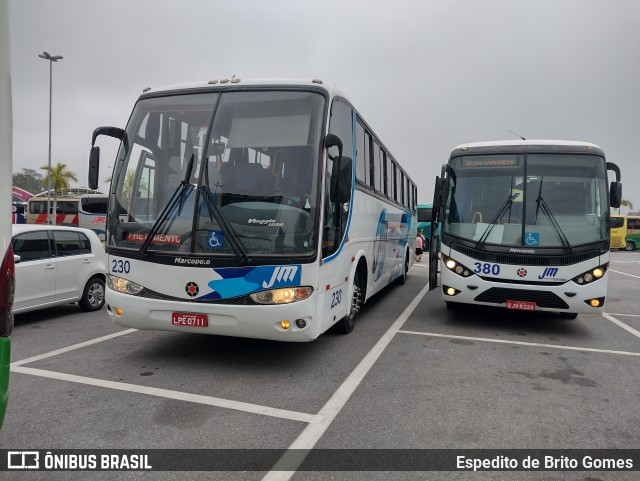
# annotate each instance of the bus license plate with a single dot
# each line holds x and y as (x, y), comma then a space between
(521, 305)
(189, 320)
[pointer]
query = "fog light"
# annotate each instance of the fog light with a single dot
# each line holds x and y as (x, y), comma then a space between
(301, 323)
(284, 324)
(451, 291)
(594, 303)
(598, 273)
(450, 264)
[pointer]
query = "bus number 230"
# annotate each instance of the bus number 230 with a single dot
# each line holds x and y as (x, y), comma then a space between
(336, 298)
(485, 268)
(119, 267)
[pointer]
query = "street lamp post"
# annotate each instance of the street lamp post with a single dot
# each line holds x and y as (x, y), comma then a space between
(51, 59)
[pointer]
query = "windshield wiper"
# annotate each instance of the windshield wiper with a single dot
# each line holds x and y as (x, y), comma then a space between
(224, 225)
(214, 211)
(178, 195)
(506, 206)
(542, 205)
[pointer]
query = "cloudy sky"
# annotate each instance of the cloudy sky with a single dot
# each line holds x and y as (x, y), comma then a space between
(426, 74)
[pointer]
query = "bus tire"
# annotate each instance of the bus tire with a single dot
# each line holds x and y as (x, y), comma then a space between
(402, 280)
(630, 246)
(347, 323)
(93, 295)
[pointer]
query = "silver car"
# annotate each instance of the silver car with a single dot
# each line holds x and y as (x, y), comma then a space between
(57, 265)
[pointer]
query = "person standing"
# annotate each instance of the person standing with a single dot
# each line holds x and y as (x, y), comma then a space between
(419, 246)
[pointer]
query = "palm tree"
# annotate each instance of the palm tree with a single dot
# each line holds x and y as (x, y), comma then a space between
(625, 203)
(61, 178)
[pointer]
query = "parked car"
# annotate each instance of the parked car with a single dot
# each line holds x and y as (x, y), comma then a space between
(57, 265)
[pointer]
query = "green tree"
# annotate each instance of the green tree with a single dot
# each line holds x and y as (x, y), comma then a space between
(61, 178)
(625, 203)
(29, 180)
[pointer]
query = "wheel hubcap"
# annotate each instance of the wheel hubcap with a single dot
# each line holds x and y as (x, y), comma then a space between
(355, 301)
(95, 295)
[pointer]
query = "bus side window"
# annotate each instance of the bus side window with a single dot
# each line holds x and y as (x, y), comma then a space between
(336, 215)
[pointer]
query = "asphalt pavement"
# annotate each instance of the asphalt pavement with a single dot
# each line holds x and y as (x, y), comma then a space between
(412, 375)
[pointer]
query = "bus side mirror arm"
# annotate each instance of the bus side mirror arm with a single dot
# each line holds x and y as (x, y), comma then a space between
(94, 155)
(615, 189)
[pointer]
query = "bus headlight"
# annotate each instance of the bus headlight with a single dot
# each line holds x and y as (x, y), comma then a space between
(125, 286)
(595, 302)
(285, 295)
(450, 291)
(591, 275)
(455, 266)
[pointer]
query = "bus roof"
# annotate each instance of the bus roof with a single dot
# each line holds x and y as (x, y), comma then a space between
(507, 146)
(234, 83)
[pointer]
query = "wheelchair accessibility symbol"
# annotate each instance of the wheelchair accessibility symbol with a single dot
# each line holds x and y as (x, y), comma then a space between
(215, 239)
(532, 238)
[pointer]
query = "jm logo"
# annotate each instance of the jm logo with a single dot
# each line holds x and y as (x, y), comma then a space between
(549, 273)
(23, 460)
(281, 273)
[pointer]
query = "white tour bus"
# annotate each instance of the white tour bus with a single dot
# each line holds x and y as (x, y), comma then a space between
(525, 225)
(245, 213)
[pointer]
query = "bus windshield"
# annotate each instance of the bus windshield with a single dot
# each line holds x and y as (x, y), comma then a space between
(221, 174)
(532, 200)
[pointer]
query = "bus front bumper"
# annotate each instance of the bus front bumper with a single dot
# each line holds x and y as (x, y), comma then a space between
(568, 297)
(253, 321)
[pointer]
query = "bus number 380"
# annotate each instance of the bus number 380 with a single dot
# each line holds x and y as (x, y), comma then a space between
(486, 268)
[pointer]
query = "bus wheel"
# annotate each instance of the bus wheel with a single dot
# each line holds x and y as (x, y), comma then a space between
(93, 295)
(630, 246)
(569, 315)
(347, 323)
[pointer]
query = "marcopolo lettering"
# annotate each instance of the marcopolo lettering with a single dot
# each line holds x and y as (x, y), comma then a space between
(186, 261)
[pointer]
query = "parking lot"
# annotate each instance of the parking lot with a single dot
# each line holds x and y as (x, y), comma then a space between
(411, 375)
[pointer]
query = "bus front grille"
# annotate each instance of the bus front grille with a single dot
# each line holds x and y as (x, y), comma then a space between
(525, 260)
(500, 295)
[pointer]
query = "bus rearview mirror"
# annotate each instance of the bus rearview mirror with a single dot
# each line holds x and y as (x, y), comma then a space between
(340, 189)
(615, 194)
(94, 167)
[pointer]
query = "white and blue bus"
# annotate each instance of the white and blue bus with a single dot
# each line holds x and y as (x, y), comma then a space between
(92, 213)
(254, 208)
(525, 225)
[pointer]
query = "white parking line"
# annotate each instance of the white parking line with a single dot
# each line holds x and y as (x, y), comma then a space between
(72, 348)
(621, 324)
(314, 431)
(166, 393)
(520, 343)
(617, 314)
(625, 274)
